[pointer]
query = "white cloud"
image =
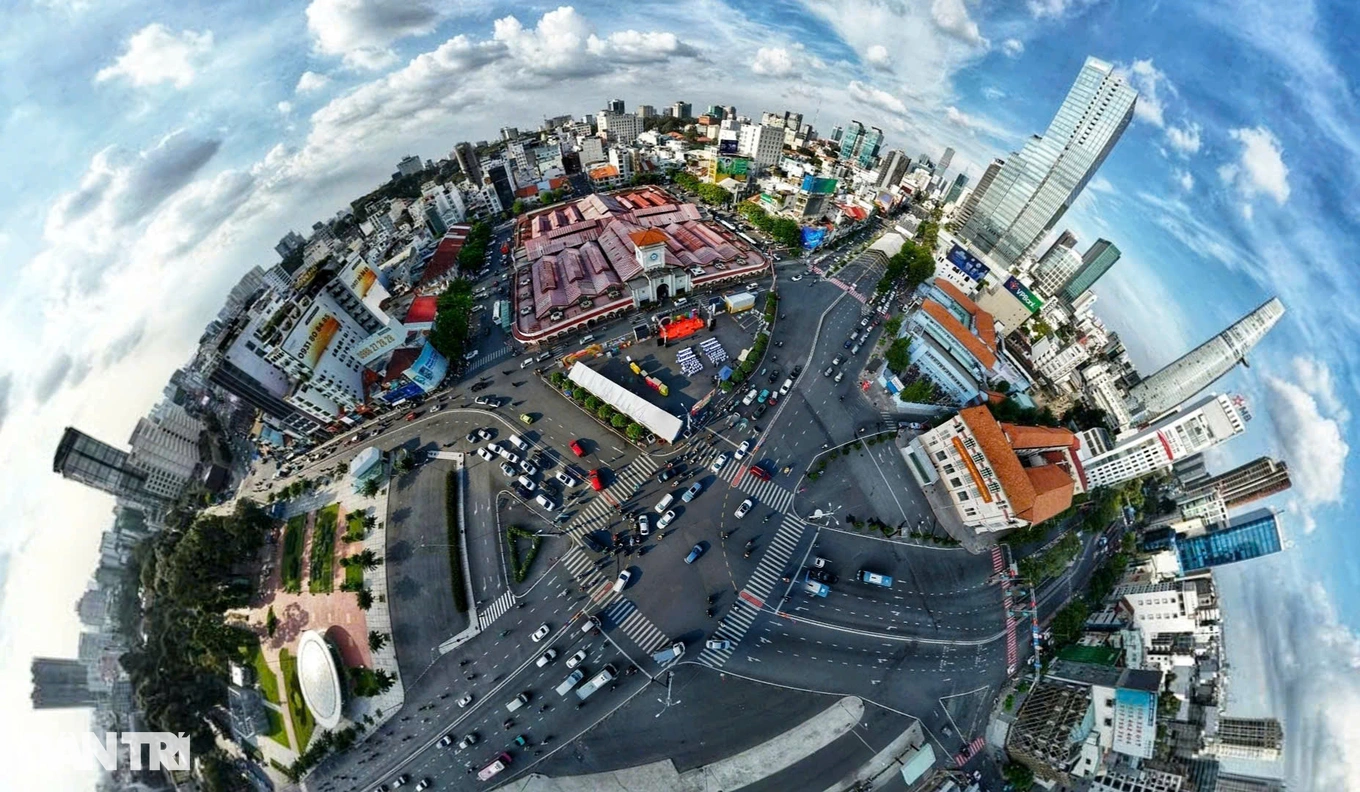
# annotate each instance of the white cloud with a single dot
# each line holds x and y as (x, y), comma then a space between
(1184, 139)
(362, 31)
(991, 93)
(877, 56)
(958, 118)
(564, 44)
(1315, 377)
(875, 97)
(773, 62)
(1313, 444)
(1150, 82)
(1259, 168)
(1184, 179)
(633, 46)
(311, 82)
(155, 54)
(951, 16)
(1013, 48)
(1040, 9)
(285, 108)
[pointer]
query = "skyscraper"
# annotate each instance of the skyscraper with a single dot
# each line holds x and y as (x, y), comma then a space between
(1252, 535)
(97, 464)
(1230, 782)
(1038, 184)
(837, 132)
(1199, 368)
(682, 110)
(615, 106)
(466, 156)
(867, 151)
(1057, 265)
(1257, 479)
(956, 189)
(60, 683)
(969, 207)
(892, 170)
(850, 139)
(945, 158)
(1204, 424)
(1095, 262)
(1258, 739)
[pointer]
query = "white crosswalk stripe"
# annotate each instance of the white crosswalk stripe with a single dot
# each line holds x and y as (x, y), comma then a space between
(769, 572)
(636, 626)
(489, 359)
(600, 510)
(496, 609)
(765, 493)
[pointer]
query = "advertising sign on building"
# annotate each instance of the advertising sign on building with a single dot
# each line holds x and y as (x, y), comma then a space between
(379, 344)
(814, 184)
(813, 236)
(727, 147)
(429, 369)
(735, 168)
(363, 281)
(967, 263)
(319, 334)
(406, 391)
(1025, 296)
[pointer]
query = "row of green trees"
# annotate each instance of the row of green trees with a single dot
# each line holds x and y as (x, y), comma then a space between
(753, 358)
(452, 330)
(781, 229)
(631, 429)
(710, 194)
(473, 254)
(912, 266)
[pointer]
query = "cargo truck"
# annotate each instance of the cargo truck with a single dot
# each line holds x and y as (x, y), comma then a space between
(596, 682)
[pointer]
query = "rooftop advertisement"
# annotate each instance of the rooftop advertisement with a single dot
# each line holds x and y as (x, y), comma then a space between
(727, 147)
(736, 168)
(1025, 296)
(814, 184)
(813, 236)
(379, 344)
(967, 263)
(429, 369)
(316, 338)
(363, 281)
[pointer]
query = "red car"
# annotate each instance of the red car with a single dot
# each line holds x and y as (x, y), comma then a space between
(577, 449)
(595, 482)
(411, 416)
(760, 472)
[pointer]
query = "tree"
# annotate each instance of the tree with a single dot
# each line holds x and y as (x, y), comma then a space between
(271, 622)
(365, 599)
(619, 421)
(369, 559)
(593, 403)
(517, 208)
(605, 412)
(377, 640)
(1019, 776)
(634, 432)
(713, 194)
(920, 391)
(891, 326)
(898, 355)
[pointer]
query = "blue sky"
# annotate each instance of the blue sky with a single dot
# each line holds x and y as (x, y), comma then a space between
(155, 151)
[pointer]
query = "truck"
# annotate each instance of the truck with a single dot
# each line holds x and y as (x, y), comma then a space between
(736, 303)
(812, 587)
(873, 578)
(673, 652)
(596, 682)
(570, 682)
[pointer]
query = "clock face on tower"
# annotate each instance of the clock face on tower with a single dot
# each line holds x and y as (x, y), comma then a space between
(653, 257)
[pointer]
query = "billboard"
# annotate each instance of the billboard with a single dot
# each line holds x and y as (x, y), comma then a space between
(967, 262)
(319, 333)
(727, 147)
(814, 184)
(429, 369)
(379, 344)
(363, 281)
(1025, 296)
(406, 391)
(813, 236)
(736, 168)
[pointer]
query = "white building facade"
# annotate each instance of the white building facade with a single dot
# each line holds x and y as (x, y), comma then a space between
(1205, 424)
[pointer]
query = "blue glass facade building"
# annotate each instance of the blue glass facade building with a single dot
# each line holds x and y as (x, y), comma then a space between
(1250, 536)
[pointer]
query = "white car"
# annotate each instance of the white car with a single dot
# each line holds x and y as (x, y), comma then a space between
(485, 454)
(540, 633)
(527, 483)
(796, 278)
(508, 455)
(468, 741)
(717, 644)
(718, 463)
(742, 449)
(470, 355)
(666, 519)
(423, 785)
(546, 657)
(576, 659)
(750, 397)
(509, 470)
(465, 700)
(622, 581)
(784, 389)
(745, 508)
(446, 741)
(542, 500)
(528, 467)
(644, 524)
(566, 479)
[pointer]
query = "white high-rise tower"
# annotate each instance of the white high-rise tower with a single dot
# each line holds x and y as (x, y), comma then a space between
(1205, 424)
(1037, 185)
(1199, 368)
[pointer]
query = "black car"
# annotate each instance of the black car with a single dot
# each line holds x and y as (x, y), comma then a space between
(665, 475)
(822, 576)
(798, 369)
(755, 416)
(592, 543)
(774, 376)
(523, 491)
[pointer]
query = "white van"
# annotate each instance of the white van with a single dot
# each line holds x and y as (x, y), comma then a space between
(665, 503)
(517, 702)
(587, 339)
(570, 682)
(526, 363)
(682, 302)
(518, 442)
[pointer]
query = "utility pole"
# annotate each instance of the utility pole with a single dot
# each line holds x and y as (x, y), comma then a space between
(667, 703)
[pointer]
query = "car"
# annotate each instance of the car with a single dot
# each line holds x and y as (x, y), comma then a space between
(666, 519)
(742, 449)
(566, 478)
(527, 483)
(665, 475)
(798, 369)
(822, 576)
(478, 386)
(622, 582)
(718, 463)
(750, 397)
(595, 482)
(840, 375)
(849, 342)
(526, 418)
(485, 454)
(745, 508)
(472, 436)
(436, 408)
(759, 472)
(540, 633)
(796, 278)
(527, 362)
(829, 371)
(465, 700)
(470, 355)
(784, 389)
(411, 416)
(528, 467)
(446, 740)
(837, 360)
(423, 785)
(401, 780)
(508, 455)
(694, 490)
(644, 524)
(577, 449)
(546, 657)
(509, 470)
(764, 395)
(468, 741)
(717, 644)
(544, 356)
(774, 376)
(760, 411)
(486, 401)
(576, 659)
(854, 350)
(864, 322)
(694, 554)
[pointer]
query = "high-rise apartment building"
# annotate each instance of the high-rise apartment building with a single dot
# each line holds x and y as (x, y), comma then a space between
(837, 133)
(1095, 262)
(1199, 368)
(861, 144)
(468, 163)
(98, 465)
(60, 683)
(1059, 263)
(1252, 535)
(646, 111)
(1231, 782)
(615, 106)
(682, 110)
(410, 165)
(1037, 184)
(291, 241)
(1257, 739)
(1204, 424)
(509, 133)
(502, 181)
(763, 144)
(892, 170)
(1259, 478)
(943, 165)
(619, 127)
(969, 207)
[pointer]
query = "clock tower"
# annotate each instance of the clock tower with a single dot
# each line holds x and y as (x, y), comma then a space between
(650, 247)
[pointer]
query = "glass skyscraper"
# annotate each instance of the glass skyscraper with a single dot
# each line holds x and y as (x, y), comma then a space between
(1036, 185)
(1095, 262)
(1252, 535)
(97, 464)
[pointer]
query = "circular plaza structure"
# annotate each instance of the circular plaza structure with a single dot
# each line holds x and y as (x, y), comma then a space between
(319, 679)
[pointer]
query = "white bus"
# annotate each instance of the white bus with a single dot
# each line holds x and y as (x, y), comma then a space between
(496, 312)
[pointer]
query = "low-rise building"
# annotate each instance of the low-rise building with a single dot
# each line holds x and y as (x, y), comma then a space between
(954, 342)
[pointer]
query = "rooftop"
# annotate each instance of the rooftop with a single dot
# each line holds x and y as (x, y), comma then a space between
(445, 258)
(1035, 493)
(319, 679)
(422, 310)
(985, 354)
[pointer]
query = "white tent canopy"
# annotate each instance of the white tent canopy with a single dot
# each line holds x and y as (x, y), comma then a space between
(656, 420)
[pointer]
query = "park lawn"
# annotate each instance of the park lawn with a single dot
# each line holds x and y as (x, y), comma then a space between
(322, 567)
(303, 724)
(354, 575)
(269, 683)
(354, 526)
(291, 569)
(276, 731)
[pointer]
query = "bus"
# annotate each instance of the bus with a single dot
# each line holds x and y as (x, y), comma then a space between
(495, 767)
(496, 312)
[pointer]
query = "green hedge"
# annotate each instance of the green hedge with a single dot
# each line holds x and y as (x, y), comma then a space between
(291, 565)
(460, 602)
(520, 568)
(321, 570)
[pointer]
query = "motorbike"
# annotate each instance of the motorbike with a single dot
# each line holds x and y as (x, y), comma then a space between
(504, 633)
(508, 725)
(709, 613)
(746, 554)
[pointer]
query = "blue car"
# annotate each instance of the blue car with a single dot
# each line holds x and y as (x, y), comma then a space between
(694, 554)
(849, 343)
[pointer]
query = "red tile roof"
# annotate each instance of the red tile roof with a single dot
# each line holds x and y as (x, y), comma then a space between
(1029, 437)
(528, 191)
(604, 172)
(400, 361)
(1052, 492)
(957, 296)
(985, 354)
(556, 183)
(422, 310)
(1035, 494)
(651, 236)
(445, 257)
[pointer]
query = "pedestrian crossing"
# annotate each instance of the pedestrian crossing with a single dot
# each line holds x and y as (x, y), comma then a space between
(486, 360)
(495, 610)
(765, 493)
(603, 508)
(769, 572)
(614, 608)
(961, 758)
